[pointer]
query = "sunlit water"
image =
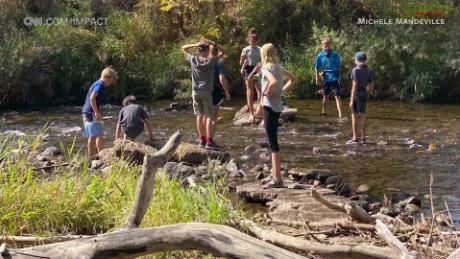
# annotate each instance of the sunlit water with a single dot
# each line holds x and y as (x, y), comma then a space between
(388, 168)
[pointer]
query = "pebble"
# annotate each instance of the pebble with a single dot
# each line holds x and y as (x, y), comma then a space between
(250, 149)
(363, 189)
(245, 158)
(295, 186)
(96, 164)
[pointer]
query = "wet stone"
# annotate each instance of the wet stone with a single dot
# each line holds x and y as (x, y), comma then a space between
(363, 189)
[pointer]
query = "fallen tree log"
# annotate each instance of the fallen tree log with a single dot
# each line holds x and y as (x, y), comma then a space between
(218, 240)
(329, 251)
(31, 240)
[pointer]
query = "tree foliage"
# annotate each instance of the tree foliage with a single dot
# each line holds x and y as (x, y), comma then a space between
(142, 39)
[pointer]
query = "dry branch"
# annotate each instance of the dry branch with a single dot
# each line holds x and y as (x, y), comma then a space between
(329, 251)
(455, 254)
(30, 240)
(144, 188)
(355, 212)
(218, 240)
(386, 234)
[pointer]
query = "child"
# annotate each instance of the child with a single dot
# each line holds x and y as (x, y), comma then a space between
(362, 86)
(131, 120)
(250, 57)
(202, 83)
(272, 79)
(92, 117)
(219, 90)
(327, 73)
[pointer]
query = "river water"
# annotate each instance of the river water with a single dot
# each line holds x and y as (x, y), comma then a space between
(420, 138)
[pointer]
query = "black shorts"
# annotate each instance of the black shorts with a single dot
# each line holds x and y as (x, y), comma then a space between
(247, 71)
(133, 131)
(360, 103)
(217, 96)
(271, 122)
(333, 87)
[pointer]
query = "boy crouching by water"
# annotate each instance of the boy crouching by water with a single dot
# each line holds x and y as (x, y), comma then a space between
(362, 87)
(273, 76)
(131, 120)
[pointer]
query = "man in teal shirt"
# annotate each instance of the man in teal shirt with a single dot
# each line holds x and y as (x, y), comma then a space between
(327, 68)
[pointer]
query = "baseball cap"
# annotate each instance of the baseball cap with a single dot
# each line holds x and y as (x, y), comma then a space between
(361, 56)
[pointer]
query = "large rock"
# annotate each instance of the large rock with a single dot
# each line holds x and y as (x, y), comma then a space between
(194, 155)
(243, 118)
(178, 170)
(293, 206)
(49, 153)
(130, 151)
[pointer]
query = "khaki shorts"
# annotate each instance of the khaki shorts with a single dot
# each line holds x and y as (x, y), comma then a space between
(202, 103)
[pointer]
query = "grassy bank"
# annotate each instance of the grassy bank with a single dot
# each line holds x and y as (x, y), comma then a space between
(77, 200)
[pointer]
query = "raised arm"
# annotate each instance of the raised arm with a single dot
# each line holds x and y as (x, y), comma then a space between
(186, 48)
(291, 80)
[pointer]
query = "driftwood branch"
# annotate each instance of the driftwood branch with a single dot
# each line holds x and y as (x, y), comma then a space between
(145, 184)
(386, 234)
(355, 212)
(329, 251)
(31, 240)
(218, 240)
(455, 254)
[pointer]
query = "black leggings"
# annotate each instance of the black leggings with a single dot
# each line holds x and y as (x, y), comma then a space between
(271, 128)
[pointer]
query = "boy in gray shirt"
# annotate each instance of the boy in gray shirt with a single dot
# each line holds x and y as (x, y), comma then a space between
(131, 120)
(202, 83)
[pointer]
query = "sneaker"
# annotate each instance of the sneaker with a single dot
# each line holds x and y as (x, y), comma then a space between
(352, 142)
(202, 143)
(363, 141)
(212, 146)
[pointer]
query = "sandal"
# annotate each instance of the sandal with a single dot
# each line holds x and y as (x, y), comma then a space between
(274, 184)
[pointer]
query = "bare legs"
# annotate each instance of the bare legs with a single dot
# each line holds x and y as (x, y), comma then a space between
(358, 125)
(354, 125)
(325, 103)
(250, 85)
(215, 115)
(276, 165)
(250, 96)
(94, 144)
(338, 101)
(203, 125)
(362, 120)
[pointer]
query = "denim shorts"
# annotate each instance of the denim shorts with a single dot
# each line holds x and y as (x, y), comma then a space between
(92, 128)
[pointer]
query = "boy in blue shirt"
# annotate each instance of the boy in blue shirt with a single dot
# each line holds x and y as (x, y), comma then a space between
(327, 75)
(92, 117)
(362, 87)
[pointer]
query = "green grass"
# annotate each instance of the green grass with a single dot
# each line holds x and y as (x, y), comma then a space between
(76, 200)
